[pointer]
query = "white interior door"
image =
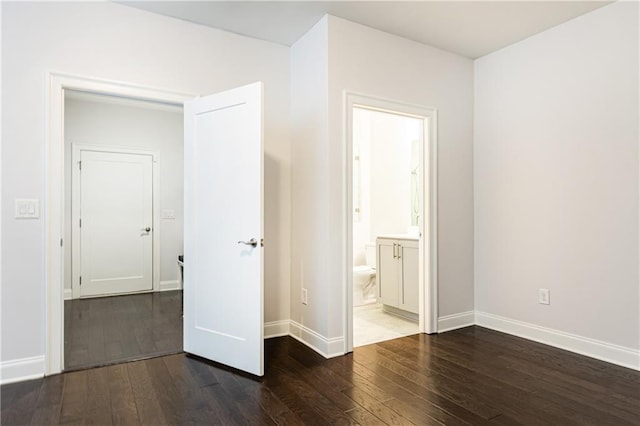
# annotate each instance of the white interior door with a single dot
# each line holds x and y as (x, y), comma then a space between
(223, 260)
(115, 223)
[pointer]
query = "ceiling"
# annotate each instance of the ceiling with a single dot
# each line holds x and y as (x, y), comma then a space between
(468, 28)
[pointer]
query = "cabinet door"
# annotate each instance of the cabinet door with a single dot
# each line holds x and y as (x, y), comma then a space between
(387, 272)
(409, 295)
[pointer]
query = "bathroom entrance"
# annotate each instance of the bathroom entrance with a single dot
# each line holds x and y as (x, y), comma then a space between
(390, 249)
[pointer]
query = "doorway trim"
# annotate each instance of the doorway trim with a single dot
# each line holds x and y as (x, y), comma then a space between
(76, 149)
(55, 85)
(428, 243)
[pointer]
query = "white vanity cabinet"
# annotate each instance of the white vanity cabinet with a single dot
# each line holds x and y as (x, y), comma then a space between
(397, 273)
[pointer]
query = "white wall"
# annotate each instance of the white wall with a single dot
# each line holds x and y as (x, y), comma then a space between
(341, 55)
(385, 146)
(371, 62)
(362, 135)
(556, 178)
(310, 191)
(115, 42)
(136, 126)
(391, 173)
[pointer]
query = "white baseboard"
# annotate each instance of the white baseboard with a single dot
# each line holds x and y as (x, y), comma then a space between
(276, 329)
(170, 285)
(455, 321)
(328, 348)
(619, 355)
(401, 313)
(33, 368)
(68, 294)
(21, 369)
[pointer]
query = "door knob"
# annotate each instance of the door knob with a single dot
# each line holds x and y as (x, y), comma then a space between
(147, 229)
(252, 242)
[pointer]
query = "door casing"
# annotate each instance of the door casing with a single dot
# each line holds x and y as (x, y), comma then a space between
(428, 224)
(76, 149)
(55, 86)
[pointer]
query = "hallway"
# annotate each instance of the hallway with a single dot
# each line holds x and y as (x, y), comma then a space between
(109, 330)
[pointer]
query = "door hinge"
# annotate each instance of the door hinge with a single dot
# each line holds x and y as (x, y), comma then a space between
(79, 165)
(80, 223)
(60, 242)
(80, 279)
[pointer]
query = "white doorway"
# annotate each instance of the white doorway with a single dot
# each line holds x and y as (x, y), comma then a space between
(112, 221)
(122, 174)
(391, 220)
(57, 204)
(239, 111)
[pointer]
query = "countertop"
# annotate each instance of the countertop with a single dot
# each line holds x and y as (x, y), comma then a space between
(413, 237)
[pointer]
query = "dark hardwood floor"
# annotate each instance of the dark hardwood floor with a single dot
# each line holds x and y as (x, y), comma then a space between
(109, 330)
(470, 376)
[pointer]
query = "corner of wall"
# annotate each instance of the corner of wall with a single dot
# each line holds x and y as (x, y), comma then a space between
(455, 321)
(309, 167)
(327, 347)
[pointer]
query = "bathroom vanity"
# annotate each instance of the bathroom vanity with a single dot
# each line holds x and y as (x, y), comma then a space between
(397, 274)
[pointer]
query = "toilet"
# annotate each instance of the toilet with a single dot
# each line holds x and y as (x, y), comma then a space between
(364, 278)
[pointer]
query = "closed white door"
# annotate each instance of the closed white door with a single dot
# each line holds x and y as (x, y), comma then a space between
(223, 260)
(115, 223)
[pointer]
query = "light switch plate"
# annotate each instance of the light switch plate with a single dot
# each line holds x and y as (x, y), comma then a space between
(168, 214)
(27, 208)
(544, 296)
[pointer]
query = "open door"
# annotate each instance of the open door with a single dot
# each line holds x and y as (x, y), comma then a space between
(223, 221)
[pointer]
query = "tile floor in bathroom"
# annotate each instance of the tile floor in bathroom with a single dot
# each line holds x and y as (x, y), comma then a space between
(371, 324)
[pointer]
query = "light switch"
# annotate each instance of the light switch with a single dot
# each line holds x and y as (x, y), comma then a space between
(27, 208)
(168, 214)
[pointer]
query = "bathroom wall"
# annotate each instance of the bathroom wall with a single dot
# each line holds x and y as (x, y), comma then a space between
(95, 120)
(362, 134)
(385, 147)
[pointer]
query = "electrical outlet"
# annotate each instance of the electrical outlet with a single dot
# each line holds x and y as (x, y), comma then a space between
(304, 296)
(543, 296)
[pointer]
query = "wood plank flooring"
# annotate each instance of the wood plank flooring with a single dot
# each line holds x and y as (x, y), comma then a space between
(471, 376)
(109, 330)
